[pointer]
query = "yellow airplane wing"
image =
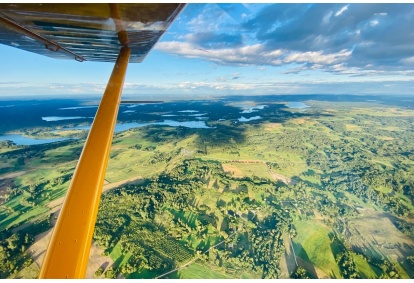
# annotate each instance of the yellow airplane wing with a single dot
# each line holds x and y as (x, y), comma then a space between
(119, 33)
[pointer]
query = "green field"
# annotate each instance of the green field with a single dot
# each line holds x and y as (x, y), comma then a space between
(199, 271)
(313, 238)
(365, 269)
(117, 256)
(20, 214)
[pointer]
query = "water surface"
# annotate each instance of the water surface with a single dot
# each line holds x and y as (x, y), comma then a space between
(78, 107)
(297, 105)
(243, 119)
(61, 118)
(22, 140)
(188, 111)
(256, 108)
(120, 127)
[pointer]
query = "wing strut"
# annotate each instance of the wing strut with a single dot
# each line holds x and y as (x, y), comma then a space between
(68, 252)
(50, 45)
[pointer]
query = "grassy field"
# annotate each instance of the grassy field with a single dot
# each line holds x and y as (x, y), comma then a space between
(14, 212)
(118, 257)
(256, 169)
(140, 161)
(145, 274)
(366, 270)
(199, 271)
(316, 246)
(312, 179)
(383, 189)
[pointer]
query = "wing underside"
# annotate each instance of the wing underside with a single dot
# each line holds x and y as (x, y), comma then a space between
(85, 32)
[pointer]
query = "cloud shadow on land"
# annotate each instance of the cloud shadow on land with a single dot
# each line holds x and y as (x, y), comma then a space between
(223, 120)
(219, 135)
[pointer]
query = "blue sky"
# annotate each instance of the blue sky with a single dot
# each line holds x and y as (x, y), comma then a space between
(239, 49)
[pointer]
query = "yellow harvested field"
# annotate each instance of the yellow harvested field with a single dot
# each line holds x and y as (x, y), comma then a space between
(272, 126)
(351, 127)
(133, 180)
(386, 138)
(299, 121)
(284, 179)
(233, 170)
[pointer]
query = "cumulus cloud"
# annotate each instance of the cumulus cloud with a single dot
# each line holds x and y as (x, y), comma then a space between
(246, 55)
(383, 27)
(254, 55)
(334, 37)
(317, 57)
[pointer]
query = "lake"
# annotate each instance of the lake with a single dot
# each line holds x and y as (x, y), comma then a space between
(22, 140)
(126, 126)
(297, 105)
(243, 119)
(78, 107)
(60, 118)
(253, 109)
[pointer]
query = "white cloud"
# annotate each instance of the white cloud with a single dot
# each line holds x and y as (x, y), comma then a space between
(338, 38)
(343, 9)
(254, 55)
(373, 23)
(270, 86)
(317, 57)
(408, 61)
(246, 55)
